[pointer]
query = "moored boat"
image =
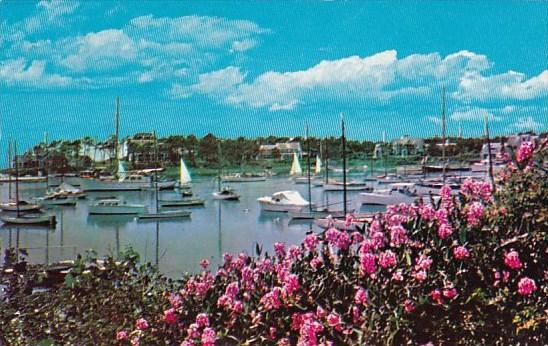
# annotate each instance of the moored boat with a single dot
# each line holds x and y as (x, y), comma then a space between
(243, 178)
(165, 215)
(283, 201)
(184, 202)
(22, 206)
(226, 193)
(115, 206)
(29, 219)
(350, 186)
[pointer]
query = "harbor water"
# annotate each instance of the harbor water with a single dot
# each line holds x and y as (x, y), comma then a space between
(176, 246)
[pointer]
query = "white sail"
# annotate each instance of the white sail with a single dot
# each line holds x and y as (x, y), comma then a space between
(122, 174)
(295, 166)
(318, 169)
(184, 177)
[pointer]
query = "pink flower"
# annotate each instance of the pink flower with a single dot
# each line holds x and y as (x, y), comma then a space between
(423, 262)
(408, 306)
(170, 317)
(237, 307)
(272, 333)
(367, 263)
(511, 259)
(397, 276)
(525, 152)
(175, 300)
(398, 235)
(343, 241)
(121, 335)
(224, 301)
(279, 248)
(232, 289)
(311, 241)
(444, 231)
(193, 331)
(387, 259)
(294, 252)
(271, 300)
(460, 252)
(204, 263)
(356, 238)
(187, 343)
(202, 320)
(135, 341)
(474, 213)
(445, 193)
(360, 298)
(420, 275)
(208, 337)
(436, 296)
(316, 263)
(291, 284)
(320, 312)
(427, 212)
(141, 324)
(333, 319)
(449, 292)
(526, 286)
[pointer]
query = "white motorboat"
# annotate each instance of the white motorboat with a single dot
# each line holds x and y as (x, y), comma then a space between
(22, 206)
(226, 193)
(243, 178)
(350, 186)
(398, 193)
(56, 199)
(114, 206)
(29, 219)
(67, 190)
(283, 201)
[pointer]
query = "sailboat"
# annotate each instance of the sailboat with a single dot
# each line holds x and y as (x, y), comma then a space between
(184, 180)
(224, 193)
(165, 214)
(24, 219)
(296, 171)
(124, 180)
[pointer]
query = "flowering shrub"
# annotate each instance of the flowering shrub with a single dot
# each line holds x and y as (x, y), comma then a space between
(467, 270)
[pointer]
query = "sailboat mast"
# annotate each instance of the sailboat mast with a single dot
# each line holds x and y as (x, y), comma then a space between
(308, 168)
(326, 154)
(117, 131)
(443, 133)
(46, 165)
(488, 140)
(343, 140)
(16, 178)
(156, 187)
(9, 169)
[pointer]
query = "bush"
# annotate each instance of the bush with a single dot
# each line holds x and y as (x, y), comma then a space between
(468, 270)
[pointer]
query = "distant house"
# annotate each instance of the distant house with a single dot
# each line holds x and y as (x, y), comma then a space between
(406, 146)
(280, 150)
(99, 152)
(515, 141)
(497, 150)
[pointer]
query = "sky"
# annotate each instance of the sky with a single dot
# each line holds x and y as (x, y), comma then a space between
(255, 68)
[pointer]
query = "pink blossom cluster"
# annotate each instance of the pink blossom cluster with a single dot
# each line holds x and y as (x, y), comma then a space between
(461, 252)
(511, 259)
(474, 213)
(525, 152)
(476, 189)
(526, 286)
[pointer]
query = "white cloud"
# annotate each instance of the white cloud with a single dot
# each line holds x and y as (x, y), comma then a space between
(179, 91)
(473, 114)
(101, 50)
(219, 82)
(57, 8)
(527, 124)
(19, 72)
(510, 85)
(283, 107)
(243, 45)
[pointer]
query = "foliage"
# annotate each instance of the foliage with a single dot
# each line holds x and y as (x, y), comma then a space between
(468, 270)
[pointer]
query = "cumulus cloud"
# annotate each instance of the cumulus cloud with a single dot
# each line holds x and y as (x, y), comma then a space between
(57, 8)
(101, 50)
(510, 85)
(527, 124)
(31, 74)
(380, 76)
(473, 114)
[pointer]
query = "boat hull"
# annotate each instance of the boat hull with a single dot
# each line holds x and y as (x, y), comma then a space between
(340, 187)
(29, 220)
(22, 208)
(228, 179)
(181, 203)
(117, 210)
(219, 196)
(371, 198)
(166, 215)
(114, 185)
(280, 208)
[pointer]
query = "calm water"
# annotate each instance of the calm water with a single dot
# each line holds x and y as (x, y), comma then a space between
(176, 245)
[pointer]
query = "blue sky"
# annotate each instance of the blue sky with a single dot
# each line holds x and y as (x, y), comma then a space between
(257, 68)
